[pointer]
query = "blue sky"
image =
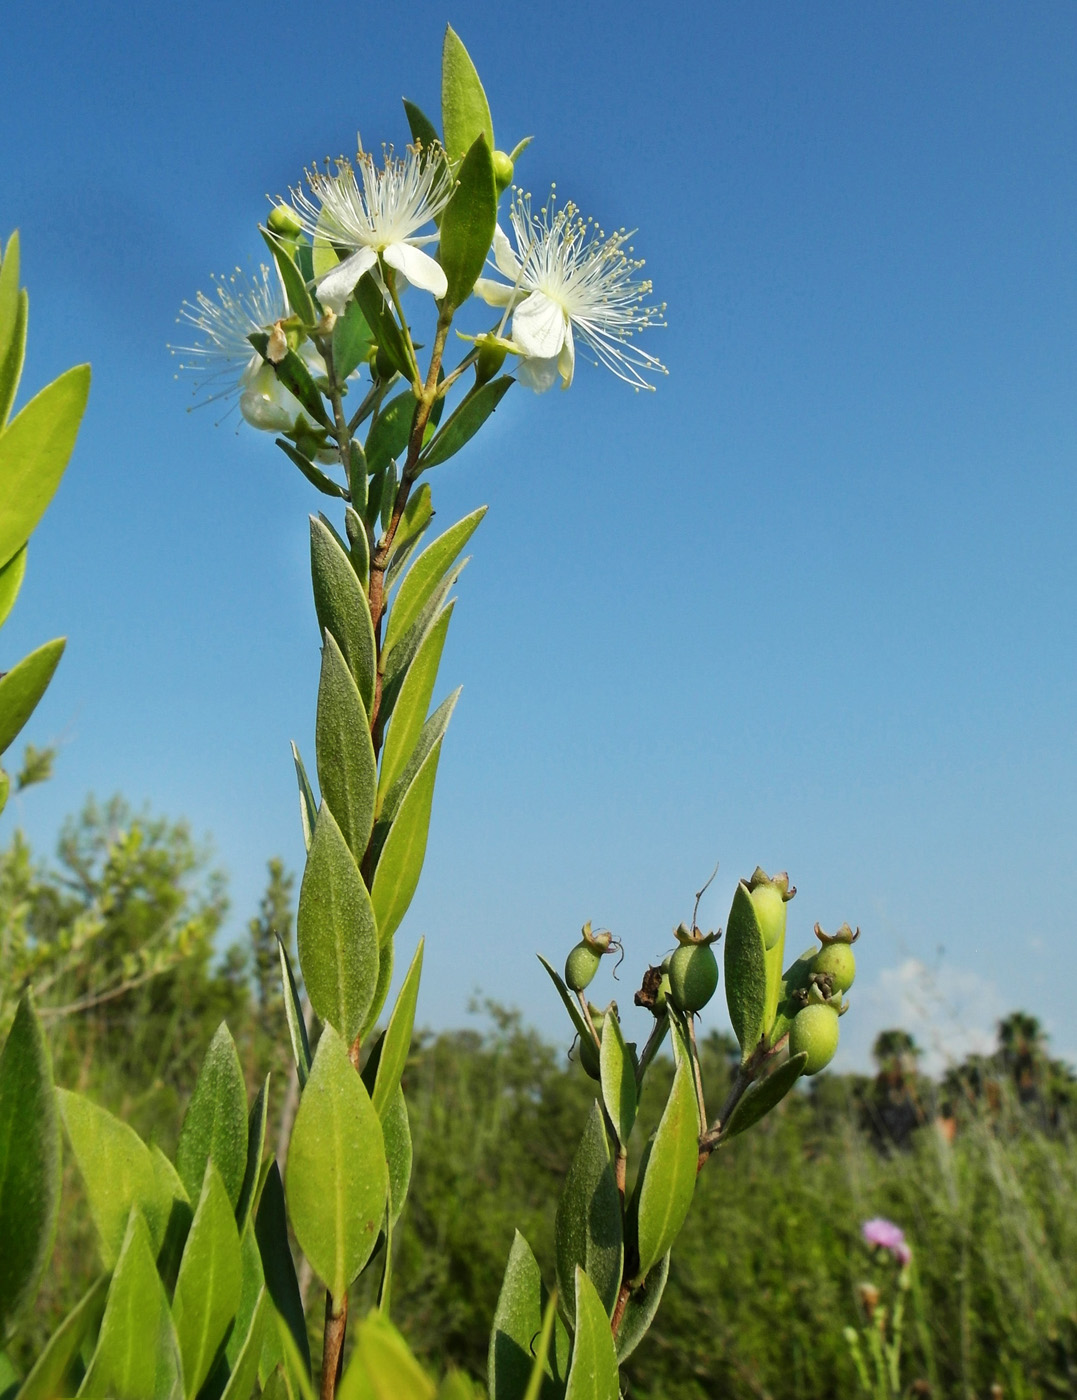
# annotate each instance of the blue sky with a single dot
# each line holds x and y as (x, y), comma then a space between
(809, 605)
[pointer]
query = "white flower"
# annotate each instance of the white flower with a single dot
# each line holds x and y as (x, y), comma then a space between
(569, 279)
(226, 361)
(380, 220)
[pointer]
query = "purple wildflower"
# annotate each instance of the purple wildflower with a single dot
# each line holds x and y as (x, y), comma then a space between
(884, 1234)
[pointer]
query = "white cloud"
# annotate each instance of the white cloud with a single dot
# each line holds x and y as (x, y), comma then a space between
(950, 1011)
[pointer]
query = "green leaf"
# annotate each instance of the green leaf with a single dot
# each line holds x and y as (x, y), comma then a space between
(308, 807)
(9, 295)
(403, 654)
(295, 287)
(244, 1373)
(431, 734)
(23, 687)
(465, 112)
(413, 701)
(11, 577)
(382, 1366)
(397, 1041)
(468, 223)
(381, 992)
(342, 607)
(401, 860)
(292, 372)
(208, 1288)
(357, 475)
(118, 1173)
(293, 1013)
(34, 450)
(137, 1354)
(461, 426)
(536, 1385)
(423, 131)
(518, 1321)
(456, 1386)
(387, 333)
(352, 341)
(388, 495)
(29, 1163)
(359, 545)
(764, 1095)
(396, 1129)
(337, 1178)
(618, 1079)
(390, 432)
(256, 1139)
(317, 478)
(417, 516)
(347, 768)
(745, 972)
(168, 1216)
(271, 1231)
(668, 1176)
(572, 1006)
(589, 1229)
(215, 1124)
(336, 931)
(424, 575)
(593, 1373)
(640, 1310)
(50, 1371)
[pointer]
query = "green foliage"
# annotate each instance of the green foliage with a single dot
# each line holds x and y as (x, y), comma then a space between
(215, 1124)
(208, 1287)
(467, 225)
(465, 112)
(593, 1372)
(589, 1228)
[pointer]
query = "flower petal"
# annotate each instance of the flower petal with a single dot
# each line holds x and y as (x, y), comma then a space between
(508, 264)
(267, 404)
(566, 361)
(538, 375)
(337, 285)
(418, 267)
(496, 293)
(538, 326)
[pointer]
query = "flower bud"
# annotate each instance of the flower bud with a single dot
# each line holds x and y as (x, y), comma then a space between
(282, 220)
(491, 357)
(503, 171)
(266, 404)
(769, 898)
(815, 1031)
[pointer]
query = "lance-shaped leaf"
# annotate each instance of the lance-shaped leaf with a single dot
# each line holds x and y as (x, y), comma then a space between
(382, 1366)
(593, 1372)
(271, 1232)
(462, 425)
(358, 545)
(314, 474)
(208, 1287)
(23, 687)
(745, 972)
(243, 1375)
(399, 662)
(618, 1079)
(336, 931)
(50, 1371)
(11, 360)
(352, 341)
(401, 860)
(293, 373)
(396, 1043)
(29, 1163)
(347, 768)
(468, 222)
(431, 735)
(389, 436)
(640, 1310)
(418, 514)
(572, 1006)
(589, 1229)
(668, 1171)
(11, 301)
(295, 286)
(337, 1178)
(169, 1216)
(118, 1173)
(137, 1354)
(256, 1138)
(518, 1320)
(465, 112)
(764, 1095)
(11, 577)
(308, 807)
(423, 131)
(424, 575)
(342, 607)
(34, 450)
(387, 334)
(293, 1014)
(215, 1124)
(396, 1129)
(413, 701)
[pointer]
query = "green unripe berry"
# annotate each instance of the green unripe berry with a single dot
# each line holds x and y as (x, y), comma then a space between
(814, 1030)
(490, 358)
(693, 976)
(503, 171)
(581, 966)
(769, 909)
(838, 962)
